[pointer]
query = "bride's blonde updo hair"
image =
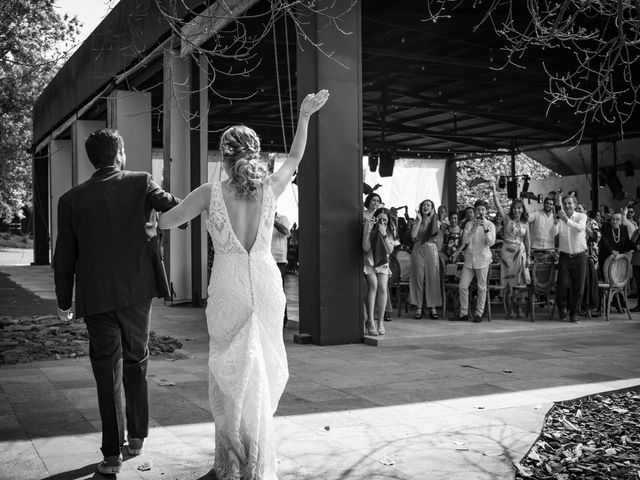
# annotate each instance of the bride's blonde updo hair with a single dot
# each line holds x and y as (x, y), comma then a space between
(240, 148)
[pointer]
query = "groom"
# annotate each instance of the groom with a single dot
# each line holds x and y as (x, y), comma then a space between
(106, 239)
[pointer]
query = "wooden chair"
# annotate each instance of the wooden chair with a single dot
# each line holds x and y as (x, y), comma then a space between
(400, 264)
(495, 295)
(449, 279)
(542, 288)
(617, 273)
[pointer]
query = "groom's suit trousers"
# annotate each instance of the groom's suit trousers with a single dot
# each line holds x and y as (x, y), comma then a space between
(119, 356)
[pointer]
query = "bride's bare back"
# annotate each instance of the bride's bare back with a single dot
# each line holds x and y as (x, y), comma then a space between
(244, 214)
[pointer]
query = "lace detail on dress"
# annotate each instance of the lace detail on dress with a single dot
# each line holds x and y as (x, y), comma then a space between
(247, 360)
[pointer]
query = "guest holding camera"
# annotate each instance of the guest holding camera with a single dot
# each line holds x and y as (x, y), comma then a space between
(543, 228)
(377, 244)
(572, 261)
(425, 261)
(478, 238)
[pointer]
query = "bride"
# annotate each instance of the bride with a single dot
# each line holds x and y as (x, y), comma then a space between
(247, 359)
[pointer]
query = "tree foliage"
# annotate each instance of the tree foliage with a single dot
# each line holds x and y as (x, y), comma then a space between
(600, 40)
(471, 171)
(34, 40)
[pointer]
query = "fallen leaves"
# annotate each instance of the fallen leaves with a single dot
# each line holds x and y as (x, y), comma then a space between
(593, 437)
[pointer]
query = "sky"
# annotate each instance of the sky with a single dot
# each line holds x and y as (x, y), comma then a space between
(89, 12)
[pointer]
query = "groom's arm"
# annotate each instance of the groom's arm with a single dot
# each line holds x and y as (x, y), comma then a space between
(65, 256)
(161, 201)
(158, 199)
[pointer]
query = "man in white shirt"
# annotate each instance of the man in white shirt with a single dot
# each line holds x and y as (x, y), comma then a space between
(279, 247)
(572, 262)
(543, 229)
(627, 219)
(478, 236)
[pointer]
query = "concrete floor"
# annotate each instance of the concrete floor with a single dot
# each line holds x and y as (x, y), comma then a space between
(434, 400)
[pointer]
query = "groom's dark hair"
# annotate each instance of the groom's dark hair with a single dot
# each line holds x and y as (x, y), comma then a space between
(102, 147)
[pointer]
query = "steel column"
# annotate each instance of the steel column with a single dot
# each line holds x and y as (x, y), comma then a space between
(330, 181)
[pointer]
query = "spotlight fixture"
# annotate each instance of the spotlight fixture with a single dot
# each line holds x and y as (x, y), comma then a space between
(373, 162)
(387, 161)
(629, 171)
(502, 181)
(525, 183)
(602, 179)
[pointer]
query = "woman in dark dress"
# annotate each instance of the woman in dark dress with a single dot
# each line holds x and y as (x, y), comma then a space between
(615, 239)
(591, 297)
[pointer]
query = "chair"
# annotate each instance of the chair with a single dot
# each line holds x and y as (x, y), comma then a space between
(541, 290)
(400, 264)
(617, 273)
(449, 279)
(495, 294)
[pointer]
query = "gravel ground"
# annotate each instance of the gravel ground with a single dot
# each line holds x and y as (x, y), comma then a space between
(30, 330)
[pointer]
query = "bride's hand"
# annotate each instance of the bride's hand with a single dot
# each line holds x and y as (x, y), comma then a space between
(314, 102)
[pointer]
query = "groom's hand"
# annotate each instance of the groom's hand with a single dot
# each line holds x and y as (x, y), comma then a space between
(65, 315)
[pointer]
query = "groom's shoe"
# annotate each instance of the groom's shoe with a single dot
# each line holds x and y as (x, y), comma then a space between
(135, 446)
(110, 465)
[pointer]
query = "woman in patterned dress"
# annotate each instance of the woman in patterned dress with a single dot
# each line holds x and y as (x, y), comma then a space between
(514, 256)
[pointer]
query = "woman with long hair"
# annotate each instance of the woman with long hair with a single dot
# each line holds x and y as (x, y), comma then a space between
(247, 359)
(371, 204)
(514, 256)
(377, 244)
(424, 282)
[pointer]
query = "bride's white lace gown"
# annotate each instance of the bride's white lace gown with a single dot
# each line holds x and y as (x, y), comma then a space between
(247, 359)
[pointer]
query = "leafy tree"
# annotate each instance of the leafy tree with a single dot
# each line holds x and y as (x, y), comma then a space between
(599, 39)
(34, 40)
(475, 175)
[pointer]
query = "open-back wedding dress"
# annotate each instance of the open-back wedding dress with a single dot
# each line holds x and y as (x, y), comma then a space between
(247, 360)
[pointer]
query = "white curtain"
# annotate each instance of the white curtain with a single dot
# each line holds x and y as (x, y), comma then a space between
(413, 181)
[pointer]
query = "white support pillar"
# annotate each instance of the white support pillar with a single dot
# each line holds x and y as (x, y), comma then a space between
(130, 114)
(177, 171)
(60, 180)
(81, 166)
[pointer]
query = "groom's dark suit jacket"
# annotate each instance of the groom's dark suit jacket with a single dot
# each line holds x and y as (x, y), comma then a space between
(105, 231)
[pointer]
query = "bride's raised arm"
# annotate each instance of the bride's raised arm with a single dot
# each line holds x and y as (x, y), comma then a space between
(196, 202)
(311, 104)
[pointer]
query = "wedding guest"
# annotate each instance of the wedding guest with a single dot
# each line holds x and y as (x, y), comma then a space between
(377, 244)
(591, 296)
(543, 230)
(372, 202)
(572, 261)
(468, 215)
(635, 262)
(627, 219)
(452, 235)
(478, 238)
(514, 256)
(615, 239)
(279, 249)
(425, 261)
(443, 218)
